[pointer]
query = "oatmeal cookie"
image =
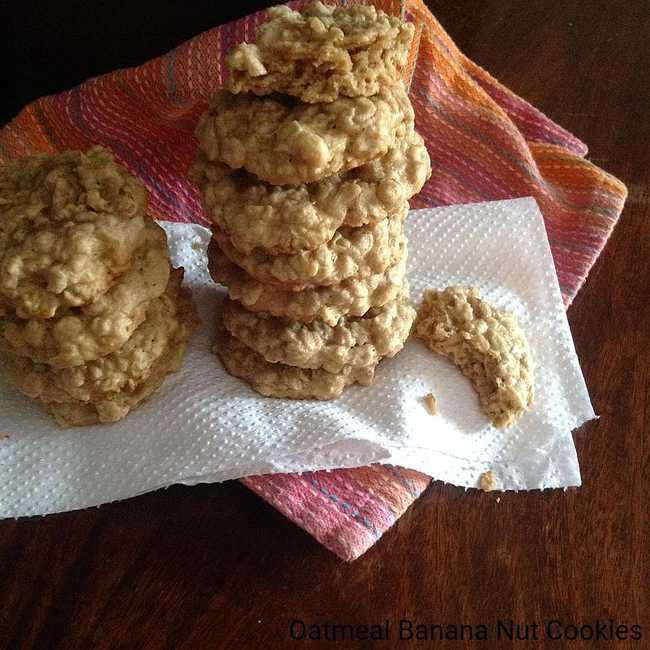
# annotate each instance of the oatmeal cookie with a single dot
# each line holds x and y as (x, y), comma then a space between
(69, 225)
(289, 219)
(169, 321)
(322, 53)
(115, 406)
(279, 380)
(353, 296)
(353, 341)
(81, 334)
(285, 143)
(352, 252)
(486, 343)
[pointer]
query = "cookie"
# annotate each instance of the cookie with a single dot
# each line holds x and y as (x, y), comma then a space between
(353, 341)
(169, 319)
(118, 405)
(353, 296)
(82, 334)
(488, 346)
(352, 252)
(322, 53)
(106, 390)
(289, 219)
(285, 143)
(69, 225)
(279, 380)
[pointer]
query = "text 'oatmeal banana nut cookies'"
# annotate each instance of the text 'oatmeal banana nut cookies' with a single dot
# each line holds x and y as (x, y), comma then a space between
(486, 343)
(69, 224)
(321, 53)
(288, 143)
(291, 218)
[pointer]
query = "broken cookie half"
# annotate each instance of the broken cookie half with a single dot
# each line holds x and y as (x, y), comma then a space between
(488, 346)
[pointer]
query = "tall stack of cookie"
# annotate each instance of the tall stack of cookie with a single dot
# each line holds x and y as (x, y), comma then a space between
(306, 164)
(92, 316)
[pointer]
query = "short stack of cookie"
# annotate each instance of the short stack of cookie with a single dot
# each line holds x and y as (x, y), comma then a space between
(306, 164)
(92, 315)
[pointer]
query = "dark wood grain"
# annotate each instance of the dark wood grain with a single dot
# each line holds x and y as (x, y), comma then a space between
(215, 567)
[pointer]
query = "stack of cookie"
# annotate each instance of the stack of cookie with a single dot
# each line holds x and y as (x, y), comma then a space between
(306, 164)
(92, 316)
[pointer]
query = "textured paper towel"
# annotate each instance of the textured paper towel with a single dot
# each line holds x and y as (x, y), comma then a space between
(204, 425)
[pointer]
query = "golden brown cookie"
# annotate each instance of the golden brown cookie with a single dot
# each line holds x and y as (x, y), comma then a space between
(81, 334)
(289, 219)
(352, 252)
(106, 389)
(279, 380)
(353, 341)
(487, 345)
(286, 143)
(329, 303)
(322, 52)
(123, 369)
(69, 225)
(117, 406)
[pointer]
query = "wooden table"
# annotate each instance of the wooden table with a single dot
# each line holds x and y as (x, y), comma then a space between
(215, 567)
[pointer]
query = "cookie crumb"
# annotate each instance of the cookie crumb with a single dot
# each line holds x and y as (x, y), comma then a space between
(431, 403)
(196, 246)
(488, 481)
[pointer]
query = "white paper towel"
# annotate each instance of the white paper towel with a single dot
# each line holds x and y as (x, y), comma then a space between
(205, 426)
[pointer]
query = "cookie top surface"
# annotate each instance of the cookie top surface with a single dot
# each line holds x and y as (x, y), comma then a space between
(354, 296)
(279, 380)
(81, 334)
(352, 252)
(169, 320)
(353, 341)
(286, 143)
(288, 219)
(69, 224)
(322, 52)
(486, 343)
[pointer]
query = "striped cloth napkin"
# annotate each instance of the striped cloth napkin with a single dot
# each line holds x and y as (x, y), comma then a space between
(485, 144)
